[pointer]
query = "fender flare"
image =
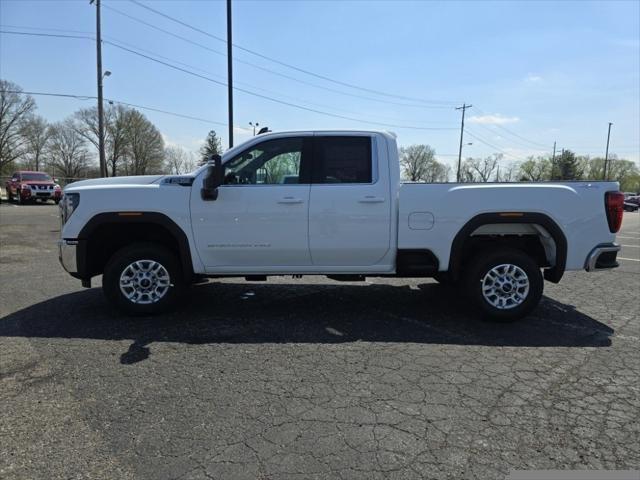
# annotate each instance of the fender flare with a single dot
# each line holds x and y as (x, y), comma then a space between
(157, 218)
(553, 274)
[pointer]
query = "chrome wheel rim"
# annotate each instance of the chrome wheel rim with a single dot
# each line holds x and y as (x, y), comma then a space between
(144, 281)
(505, 286)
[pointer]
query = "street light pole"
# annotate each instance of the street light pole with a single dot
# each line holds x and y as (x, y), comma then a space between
(230, 72)
(101, 154)
(605, 175)
(254, 125)
(463, 108)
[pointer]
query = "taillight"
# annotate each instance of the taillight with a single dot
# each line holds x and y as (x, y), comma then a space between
(614, 206)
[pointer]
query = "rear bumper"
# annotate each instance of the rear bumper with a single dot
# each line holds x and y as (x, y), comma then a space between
(602, 257)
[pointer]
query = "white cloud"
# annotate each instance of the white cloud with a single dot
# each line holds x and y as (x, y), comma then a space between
(496, 119)
(532, 78)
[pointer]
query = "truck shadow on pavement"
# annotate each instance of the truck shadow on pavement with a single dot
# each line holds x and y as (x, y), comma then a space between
(220, 312)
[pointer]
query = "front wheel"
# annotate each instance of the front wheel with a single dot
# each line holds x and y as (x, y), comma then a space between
(505, 285)
(143, 279)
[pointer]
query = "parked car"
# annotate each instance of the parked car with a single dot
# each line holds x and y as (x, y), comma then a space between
(635, 199)
(631, 204)
(347, 217)
(24, 186)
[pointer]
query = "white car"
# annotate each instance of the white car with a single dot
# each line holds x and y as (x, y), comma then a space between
(331, 203)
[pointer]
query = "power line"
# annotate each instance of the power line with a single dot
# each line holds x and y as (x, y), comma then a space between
(243, 90)
(293, 67)
(546, 147)
(55, 35)
(481, 140)
(255, 87)
(119, 102)
(268, 70)
(275, 100)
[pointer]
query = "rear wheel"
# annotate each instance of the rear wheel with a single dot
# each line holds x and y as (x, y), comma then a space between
(143, 279)
(504, 285)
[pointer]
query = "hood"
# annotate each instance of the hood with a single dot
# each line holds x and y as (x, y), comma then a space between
(114, 181)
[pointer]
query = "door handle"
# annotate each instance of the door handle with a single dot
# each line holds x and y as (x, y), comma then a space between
(371, 199)
(290, 200)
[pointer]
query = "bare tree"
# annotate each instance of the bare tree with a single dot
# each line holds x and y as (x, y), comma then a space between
(480, 170)
(86, 124)
(419, 164)
(508, 173)
(67, 150)
(144, 145)
(36, 133)
(15, 108)
(179, 161)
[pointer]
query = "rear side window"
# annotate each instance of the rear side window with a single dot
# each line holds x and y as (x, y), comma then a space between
(342, 160)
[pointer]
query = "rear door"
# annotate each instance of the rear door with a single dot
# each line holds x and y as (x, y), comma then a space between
(349, 207)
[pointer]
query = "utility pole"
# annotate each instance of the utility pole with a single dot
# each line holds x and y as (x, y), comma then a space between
(553, 160)
(605, 175)
(463, 108)
(101, 154)
(230, 72)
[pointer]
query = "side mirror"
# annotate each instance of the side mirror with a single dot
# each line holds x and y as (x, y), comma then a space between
(213, 179)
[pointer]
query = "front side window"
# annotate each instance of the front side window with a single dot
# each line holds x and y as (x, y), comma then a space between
(273, 162)
(342, 160)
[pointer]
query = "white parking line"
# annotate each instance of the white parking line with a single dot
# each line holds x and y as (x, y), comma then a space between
(630, 259)
(629, 246)
(632, 238)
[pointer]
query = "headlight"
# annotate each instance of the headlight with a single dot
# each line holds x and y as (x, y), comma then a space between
(68, 205)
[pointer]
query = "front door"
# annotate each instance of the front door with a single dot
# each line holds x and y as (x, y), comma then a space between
(259, 222)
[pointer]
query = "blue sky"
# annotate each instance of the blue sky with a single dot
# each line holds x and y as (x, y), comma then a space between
(536, 72)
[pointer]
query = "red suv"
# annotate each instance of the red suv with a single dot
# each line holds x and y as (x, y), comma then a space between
(25, 185)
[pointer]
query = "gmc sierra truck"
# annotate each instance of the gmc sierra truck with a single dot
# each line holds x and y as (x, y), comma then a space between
(331, 203)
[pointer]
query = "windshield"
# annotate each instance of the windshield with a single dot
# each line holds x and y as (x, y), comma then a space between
(35, 177)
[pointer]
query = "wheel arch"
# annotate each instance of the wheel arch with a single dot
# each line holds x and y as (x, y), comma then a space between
(461, 240)
(107, 232)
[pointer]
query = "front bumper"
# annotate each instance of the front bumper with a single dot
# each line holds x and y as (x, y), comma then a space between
(602, 257)
(68, 255)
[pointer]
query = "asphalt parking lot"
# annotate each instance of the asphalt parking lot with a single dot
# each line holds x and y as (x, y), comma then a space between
(299, 379)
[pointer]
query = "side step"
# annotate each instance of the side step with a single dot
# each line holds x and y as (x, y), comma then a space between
(347, 278)
(256, 278)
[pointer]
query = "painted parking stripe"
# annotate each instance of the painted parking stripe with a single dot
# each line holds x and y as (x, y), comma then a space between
(629, 259)
(629, 246)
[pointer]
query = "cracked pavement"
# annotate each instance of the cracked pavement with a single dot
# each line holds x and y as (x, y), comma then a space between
(311, 378)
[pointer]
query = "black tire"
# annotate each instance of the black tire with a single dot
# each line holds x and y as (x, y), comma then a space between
(56, 201)
(19, 199)
(9, 196)
(141, 252)
(512, 309)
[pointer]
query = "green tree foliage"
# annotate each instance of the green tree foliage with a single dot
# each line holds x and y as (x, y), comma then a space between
(567, 167)
(535, 169)
(212, 146)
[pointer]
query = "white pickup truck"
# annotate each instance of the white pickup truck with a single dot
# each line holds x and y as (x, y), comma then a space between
(332, 203)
